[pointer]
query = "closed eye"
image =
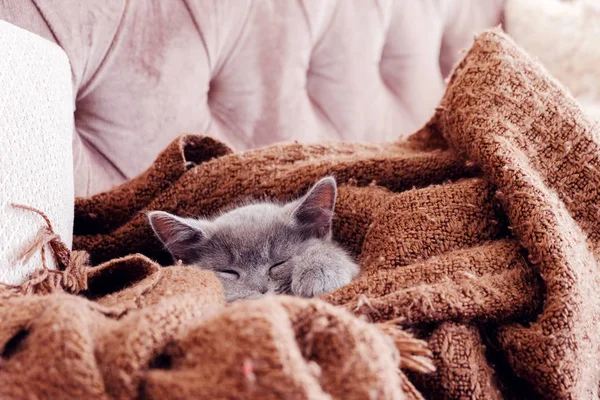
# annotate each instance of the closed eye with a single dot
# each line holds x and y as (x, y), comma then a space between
(278, 264)
(274, 266)
(228, 274)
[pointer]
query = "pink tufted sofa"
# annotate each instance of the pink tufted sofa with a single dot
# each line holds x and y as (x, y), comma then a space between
(249, 72)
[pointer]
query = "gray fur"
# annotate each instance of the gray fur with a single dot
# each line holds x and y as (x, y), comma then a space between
(264, 247)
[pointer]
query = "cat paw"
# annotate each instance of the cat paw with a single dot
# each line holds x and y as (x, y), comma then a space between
(317, 281)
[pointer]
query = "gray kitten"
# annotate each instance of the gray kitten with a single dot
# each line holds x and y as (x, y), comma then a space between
(264, 247)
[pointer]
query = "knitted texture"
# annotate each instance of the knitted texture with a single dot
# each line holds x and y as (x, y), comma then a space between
(478, 234)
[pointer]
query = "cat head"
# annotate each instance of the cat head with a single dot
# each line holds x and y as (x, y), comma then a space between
(250, 248)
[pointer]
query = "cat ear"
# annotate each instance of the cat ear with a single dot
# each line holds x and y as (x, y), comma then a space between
(315, 210)
(178, 235)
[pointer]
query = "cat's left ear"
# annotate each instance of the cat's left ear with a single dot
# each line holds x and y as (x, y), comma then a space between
(180, 236)
(314, 212)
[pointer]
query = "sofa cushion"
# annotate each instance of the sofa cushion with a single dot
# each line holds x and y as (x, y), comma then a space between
(248, 72)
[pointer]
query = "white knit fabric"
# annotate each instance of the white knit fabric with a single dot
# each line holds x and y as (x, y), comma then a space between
(565, 37)
(36, 162)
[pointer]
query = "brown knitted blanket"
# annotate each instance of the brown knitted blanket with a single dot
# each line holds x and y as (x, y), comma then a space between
(478, 235)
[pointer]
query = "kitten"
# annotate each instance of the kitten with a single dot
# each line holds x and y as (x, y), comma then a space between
(264, 247)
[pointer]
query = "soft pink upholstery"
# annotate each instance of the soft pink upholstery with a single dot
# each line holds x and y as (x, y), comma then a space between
(250, 72)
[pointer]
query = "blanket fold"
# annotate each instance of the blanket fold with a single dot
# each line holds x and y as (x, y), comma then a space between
(477, 236)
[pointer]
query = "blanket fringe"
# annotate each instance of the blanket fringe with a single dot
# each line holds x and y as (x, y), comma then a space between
(70, 275)
(414, 353)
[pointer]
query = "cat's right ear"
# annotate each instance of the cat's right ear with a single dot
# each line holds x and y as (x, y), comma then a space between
(314, 211)
(178, 235)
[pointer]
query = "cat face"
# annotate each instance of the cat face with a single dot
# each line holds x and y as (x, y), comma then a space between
(251, 248)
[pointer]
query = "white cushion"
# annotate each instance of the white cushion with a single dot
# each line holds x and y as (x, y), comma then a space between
(36, 131)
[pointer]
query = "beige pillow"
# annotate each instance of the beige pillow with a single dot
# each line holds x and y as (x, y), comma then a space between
(565, 37)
